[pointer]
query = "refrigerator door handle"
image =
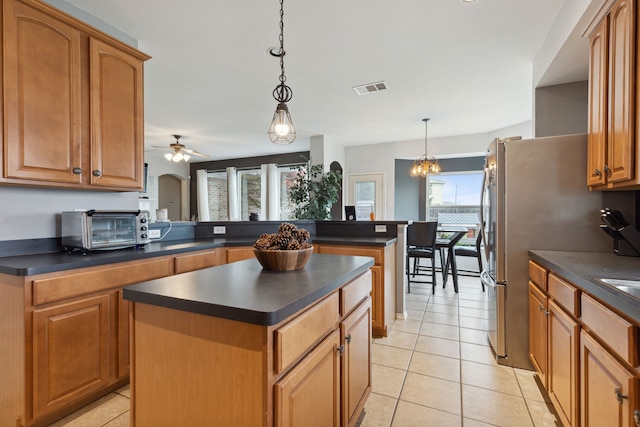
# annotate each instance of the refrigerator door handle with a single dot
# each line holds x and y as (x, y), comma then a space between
(482, 219)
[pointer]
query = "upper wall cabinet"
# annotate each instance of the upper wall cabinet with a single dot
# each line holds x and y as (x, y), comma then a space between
(612, 157)
(72, 102)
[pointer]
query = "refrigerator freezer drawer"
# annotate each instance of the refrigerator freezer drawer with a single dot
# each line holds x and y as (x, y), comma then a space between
(497, 314)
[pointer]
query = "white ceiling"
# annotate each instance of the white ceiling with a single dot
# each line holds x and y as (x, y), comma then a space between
(467, 66)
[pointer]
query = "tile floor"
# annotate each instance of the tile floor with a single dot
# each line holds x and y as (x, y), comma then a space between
(434, 369)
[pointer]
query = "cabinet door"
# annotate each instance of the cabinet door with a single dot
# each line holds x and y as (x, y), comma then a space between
(239, 254)
(598, 86)
(356, 362)
(621, 142)
(41, 96)
(377, 302)
(70, 352)
(563, 364)
(609, 391)
(309, 394)
(116, 117)
(538, 331)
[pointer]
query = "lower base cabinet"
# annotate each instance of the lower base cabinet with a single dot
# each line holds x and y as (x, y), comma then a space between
(609, 391)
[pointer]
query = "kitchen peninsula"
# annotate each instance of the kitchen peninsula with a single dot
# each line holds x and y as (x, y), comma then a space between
(239, 345)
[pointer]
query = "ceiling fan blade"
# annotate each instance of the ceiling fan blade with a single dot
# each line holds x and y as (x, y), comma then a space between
(194, 153)
(161, 146)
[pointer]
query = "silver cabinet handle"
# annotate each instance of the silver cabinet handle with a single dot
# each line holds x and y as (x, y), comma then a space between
(97, 172)
(607, 170)
(597, 172)
(77, 171)
(619, 395)
(636, 417)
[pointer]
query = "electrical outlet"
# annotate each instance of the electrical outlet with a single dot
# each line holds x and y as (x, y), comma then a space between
(381, 228)
(154, 234)
(219, 229)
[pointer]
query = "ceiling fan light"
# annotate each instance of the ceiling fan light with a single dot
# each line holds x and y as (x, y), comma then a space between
(186, 157)
(168, 156)
(177, 157)
(281, 130)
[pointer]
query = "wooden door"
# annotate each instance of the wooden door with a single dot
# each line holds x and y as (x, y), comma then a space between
(356, 362)
(117, 158)
(309, 394)
(609, 392)
(42, 96)
(598, 86)
(70, 352)
(538, 331)
(563, 364)
(621, 138)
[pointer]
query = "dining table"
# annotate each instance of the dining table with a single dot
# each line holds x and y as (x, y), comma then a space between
(448, 237)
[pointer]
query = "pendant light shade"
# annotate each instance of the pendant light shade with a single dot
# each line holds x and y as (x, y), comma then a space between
(281, 130)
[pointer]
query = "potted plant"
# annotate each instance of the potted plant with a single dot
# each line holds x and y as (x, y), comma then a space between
(313, 191)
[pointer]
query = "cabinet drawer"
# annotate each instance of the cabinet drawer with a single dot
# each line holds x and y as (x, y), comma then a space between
(376, 254)
(620, 335)
(565, 294)
(354, 292)
(538, 275)
(70, 285)
(296, 337)
(195, 261)
(239, 254)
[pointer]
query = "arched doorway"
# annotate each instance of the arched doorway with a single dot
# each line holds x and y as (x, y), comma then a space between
(171, 197)
(336, 208)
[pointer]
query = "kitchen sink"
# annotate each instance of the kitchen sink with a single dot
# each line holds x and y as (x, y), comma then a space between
(629, 286)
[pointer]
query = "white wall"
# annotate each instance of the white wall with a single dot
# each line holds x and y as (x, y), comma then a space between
(377, 158)
(158, 165)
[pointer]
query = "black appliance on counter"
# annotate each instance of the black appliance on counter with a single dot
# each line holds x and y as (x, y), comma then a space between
(626, 238)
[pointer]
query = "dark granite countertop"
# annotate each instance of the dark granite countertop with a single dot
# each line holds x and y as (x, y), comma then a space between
(245, 292)
(584, 268)
(27, 265)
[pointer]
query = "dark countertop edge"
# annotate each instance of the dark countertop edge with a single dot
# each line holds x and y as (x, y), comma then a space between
(557, 262)
(29, 265)
(255, 317)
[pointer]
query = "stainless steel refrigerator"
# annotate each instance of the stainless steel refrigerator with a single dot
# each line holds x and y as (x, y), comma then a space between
(535, 196)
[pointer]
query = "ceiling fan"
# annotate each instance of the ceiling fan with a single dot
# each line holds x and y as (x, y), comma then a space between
(179, 152)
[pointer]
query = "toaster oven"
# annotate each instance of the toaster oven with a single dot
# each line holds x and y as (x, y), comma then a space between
(100, 230)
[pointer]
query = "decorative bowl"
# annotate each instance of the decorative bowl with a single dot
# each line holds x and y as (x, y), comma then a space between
(281, 260)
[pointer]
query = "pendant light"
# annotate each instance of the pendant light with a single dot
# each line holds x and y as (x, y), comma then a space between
(426, 164)
(281, 130)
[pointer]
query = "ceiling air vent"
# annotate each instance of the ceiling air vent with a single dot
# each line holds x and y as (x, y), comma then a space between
(370, 88)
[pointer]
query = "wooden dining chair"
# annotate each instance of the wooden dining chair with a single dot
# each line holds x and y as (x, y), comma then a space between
(474, 252)
(421, 243)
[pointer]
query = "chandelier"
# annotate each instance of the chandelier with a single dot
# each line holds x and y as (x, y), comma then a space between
(426, 164)
(281, 130)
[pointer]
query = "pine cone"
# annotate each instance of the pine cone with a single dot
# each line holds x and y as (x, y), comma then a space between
(287, 227)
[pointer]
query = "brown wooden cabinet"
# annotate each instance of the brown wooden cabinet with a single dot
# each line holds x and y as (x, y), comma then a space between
(239, 253)
(593, 368)
(383, 292)
(613, 150)
(71, 352)
(73, 102)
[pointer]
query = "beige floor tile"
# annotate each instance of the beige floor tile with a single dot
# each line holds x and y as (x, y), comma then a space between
(412, 415)
(444, 318)
(473, 312)
(378, 411)
(420, 297)
(530, 386)
(474, 336)
(387, 381)
(494, 408)
(473, 323)
(442, 308)
(468, 422)
(444, 299)
(477, 353)
(432, 392)
(496, 378)
(125, 391)
(123, 420)
(415, 314)
(399, 339)
(407, 325)
(466, 303)
(416, 305)
(390, 356)
(440, 331)
(543, 414)
(439, 346)
(97, 413)
(432, 365)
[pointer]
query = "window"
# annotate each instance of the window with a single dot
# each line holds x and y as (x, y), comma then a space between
(217, 190)
(454, 199)
(366, 193)
(285, 179)
(249, 183)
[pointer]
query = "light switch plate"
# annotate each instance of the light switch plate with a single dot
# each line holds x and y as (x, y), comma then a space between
(154, 234)
(381, 228)
(219, 229)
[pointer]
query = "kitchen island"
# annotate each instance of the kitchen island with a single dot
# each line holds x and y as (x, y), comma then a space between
(239, 345)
